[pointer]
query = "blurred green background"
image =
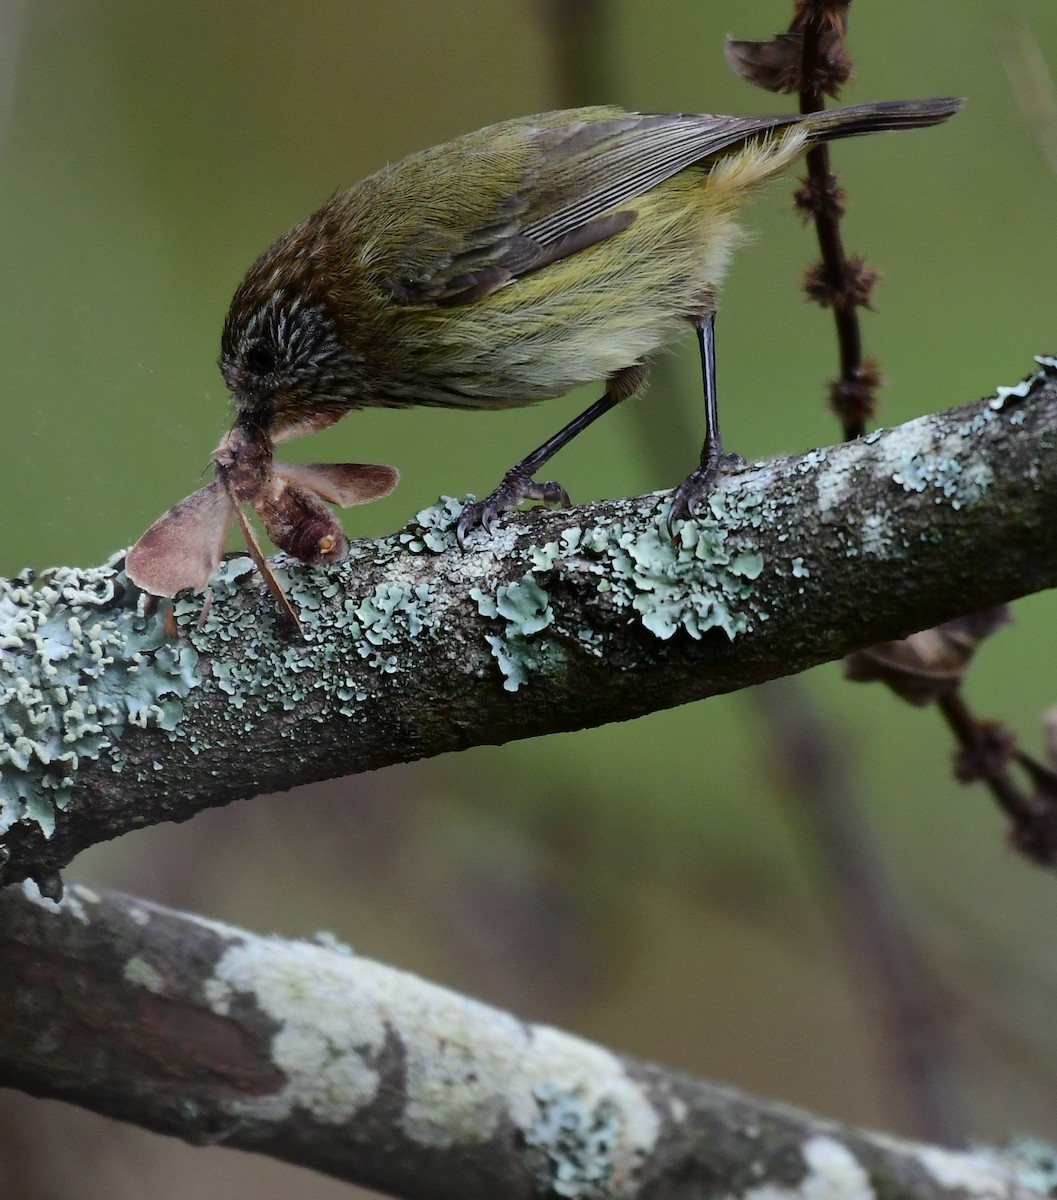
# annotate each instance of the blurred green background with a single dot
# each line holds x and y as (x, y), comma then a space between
(651, 885)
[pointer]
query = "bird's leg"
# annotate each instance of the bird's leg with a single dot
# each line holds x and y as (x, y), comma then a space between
(518, 483)
(689, 494)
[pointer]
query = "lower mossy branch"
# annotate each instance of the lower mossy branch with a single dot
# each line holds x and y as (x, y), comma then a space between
(115, 717)
(312, 1054)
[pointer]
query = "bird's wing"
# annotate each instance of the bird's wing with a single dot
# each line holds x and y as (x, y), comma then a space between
(573, 179)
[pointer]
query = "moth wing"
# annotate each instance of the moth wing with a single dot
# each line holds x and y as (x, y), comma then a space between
(184, 545)
(345, 484)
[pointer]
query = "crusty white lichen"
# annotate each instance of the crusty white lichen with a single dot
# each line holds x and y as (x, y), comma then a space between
(465, 1067)
(1047, 369)
(832, 1172)
(79, 663)
(73, 900)
(977, 1174)
(932, 456)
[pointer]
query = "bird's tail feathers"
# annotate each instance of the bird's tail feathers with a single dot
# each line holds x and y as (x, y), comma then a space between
(837, 123)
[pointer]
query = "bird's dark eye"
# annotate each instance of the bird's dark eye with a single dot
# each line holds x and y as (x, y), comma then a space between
(260, 357)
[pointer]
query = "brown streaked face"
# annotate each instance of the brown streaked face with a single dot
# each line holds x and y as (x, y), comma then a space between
(280, 354)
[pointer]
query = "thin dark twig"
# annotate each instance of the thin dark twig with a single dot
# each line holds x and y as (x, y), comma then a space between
(843, 284)
(987, 749)
(987, 742)
(827, 212)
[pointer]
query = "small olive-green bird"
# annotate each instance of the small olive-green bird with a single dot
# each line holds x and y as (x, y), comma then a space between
(513, 264)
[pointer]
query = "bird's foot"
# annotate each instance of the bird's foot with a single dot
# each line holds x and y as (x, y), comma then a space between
(509, 494)
(697, 486)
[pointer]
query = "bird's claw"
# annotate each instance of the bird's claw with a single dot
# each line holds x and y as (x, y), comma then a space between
(509, 494)
(684, 504)
(696, 487)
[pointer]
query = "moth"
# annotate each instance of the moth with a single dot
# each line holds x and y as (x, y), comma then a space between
(184, 546)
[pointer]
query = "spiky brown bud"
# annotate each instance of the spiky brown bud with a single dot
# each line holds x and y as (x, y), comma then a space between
(852, 289)
(854, 400)
(820, 197)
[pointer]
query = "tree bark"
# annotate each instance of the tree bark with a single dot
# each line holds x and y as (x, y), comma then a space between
(114, 717)
(309, 1053)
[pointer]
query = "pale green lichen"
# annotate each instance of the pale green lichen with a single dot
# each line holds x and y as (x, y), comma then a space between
(811, 461)
(705, 580)
(317, 676)
(392, 613)
(544, 557)
(1031, 1161)
(578, 1139)
(962, 484)
(433, 528)
(711, 577)
(929, 457)
(875, 531)
(80, 663)
(525, 607)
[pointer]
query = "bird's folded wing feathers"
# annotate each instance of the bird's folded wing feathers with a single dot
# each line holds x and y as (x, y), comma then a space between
(576, 174)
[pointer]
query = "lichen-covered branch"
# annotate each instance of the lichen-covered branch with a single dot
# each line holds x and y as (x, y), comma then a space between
(112, 719)
(309, 1053)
